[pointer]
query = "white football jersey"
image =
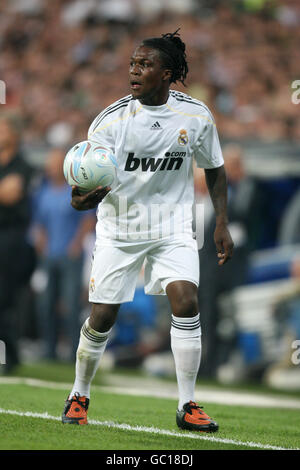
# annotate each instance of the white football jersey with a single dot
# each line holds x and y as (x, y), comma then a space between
(154, 147)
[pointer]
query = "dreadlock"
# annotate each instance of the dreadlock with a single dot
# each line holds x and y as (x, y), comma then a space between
(172, 53)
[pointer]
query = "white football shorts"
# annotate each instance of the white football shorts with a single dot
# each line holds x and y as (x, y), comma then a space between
(116, 267)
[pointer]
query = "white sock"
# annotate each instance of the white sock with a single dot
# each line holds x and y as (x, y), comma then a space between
(186, 348)
(89, 352)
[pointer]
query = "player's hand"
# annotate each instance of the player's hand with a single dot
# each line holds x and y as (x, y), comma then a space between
(83, 202)
(224, 244)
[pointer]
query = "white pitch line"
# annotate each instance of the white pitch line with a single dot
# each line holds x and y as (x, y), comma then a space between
(151, 430)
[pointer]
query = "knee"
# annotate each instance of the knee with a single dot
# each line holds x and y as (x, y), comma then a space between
(103, 316)
(186, 306)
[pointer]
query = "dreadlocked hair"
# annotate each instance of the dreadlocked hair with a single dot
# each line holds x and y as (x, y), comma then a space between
(172, 53)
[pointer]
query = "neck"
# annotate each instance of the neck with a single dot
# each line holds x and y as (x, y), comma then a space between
(156, 100)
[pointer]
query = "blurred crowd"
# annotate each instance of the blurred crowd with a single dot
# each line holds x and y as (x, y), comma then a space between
(64, 61)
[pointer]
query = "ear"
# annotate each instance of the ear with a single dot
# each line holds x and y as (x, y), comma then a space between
(167, 74)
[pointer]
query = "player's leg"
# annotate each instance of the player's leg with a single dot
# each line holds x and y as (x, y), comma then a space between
(173, 268)
(94, 336)
(113, 280)
(185, 336)
(186, 349)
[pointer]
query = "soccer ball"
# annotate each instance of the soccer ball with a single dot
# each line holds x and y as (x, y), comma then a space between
(88, 165)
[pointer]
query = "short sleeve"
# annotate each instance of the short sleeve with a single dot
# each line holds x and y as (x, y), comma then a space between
(101, 133)
(207, 148)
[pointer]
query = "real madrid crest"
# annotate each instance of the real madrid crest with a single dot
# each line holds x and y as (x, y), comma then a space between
(92, 284)
(183, 137)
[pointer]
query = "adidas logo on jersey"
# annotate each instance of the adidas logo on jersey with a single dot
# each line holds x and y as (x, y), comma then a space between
(156, 127)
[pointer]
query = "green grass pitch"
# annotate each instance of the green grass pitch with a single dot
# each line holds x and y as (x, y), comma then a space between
(150, 424)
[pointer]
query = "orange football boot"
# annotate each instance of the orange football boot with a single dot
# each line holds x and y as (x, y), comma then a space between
(75, 411)
(192, 417)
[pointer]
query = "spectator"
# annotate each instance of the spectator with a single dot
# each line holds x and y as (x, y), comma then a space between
(289, 230)
(59, 233)
(16, 255)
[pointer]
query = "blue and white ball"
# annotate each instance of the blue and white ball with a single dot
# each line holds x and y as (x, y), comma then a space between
(89, 165)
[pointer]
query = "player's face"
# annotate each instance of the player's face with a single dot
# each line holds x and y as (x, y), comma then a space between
(149, 81)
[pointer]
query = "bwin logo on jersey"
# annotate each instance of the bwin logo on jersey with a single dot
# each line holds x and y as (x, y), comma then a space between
(154, 164)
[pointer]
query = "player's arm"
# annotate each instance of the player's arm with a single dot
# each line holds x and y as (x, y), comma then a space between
(217, 186)
(83, 202)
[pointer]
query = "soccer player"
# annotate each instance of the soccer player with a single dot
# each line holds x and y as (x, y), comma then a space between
(154, 134)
